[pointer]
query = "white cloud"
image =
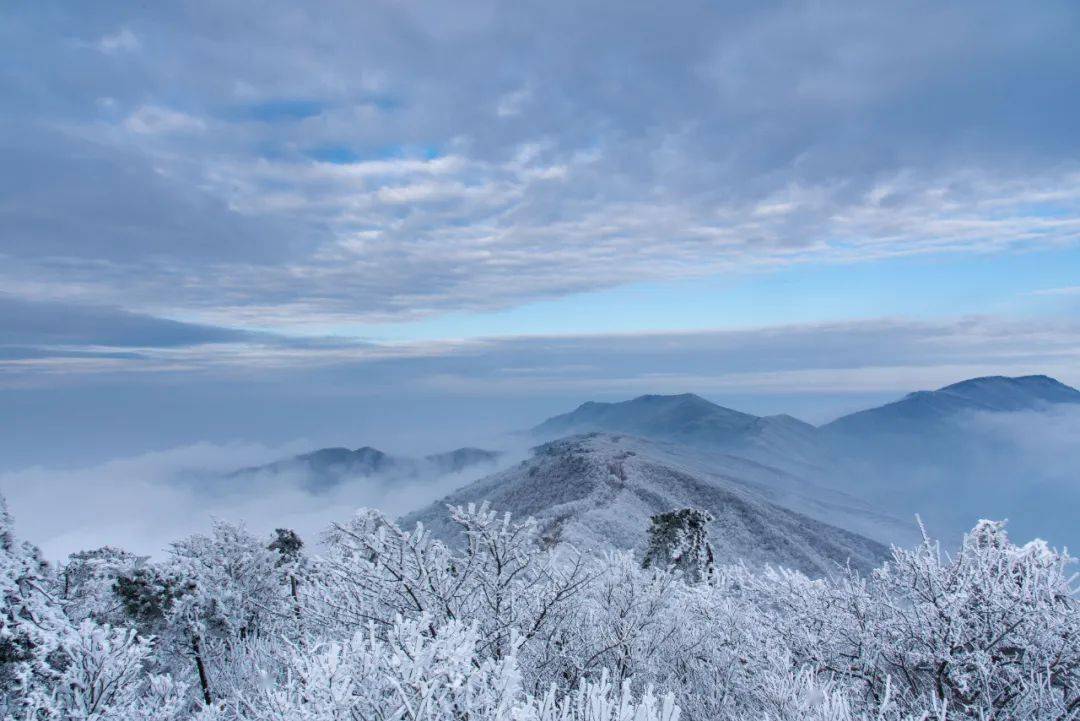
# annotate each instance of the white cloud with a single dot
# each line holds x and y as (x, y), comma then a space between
(513, 103)
(1066, 290)
(123, 40)
(144, 502)
(157, 120)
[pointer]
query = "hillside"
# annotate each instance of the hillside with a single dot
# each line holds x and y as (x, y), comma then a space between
(601, 489)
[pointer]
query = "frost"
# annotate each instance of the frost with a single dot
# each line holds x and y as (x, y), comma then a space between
(392, 624)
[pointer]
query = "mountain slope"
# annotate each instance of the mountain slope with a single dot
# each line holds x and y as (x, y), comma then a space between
(601, 489)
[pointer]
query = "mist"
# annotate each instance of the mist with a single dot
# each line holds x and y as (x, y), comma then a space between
(1018, 466)
(144, 502)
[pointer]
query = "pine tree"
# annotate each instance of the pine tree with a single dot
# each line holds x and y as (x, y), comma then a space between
(679, 539)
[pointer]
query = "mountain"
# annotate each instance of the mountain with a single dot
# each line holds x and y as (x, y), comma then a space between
(328, 467)
(691, 420)
(993, 447)
(966, 451)
(461, 458)
(685, 416)
(916, 411)
(600, 490)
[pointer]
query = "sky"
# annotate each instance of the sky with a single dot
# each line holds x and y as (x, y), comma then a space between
(416, 224)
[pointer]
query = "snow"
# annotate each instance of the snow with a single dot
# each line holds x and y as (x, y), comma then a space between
(600, 490)
(393, 624)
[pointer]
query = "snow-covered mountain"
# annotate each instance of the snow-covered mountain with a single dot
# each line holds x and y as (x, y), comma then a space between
(781, 440)
(601, 489)
(920, 410)
(991, 447)
(953, 455)
(328, 467)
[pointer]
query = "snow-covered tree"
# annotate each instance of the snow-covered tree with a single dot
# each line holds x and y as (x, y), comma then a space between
(53, 668)
(104, 678)
(230, 596)
(679, 539)
(991, 633)
(502, 579)
(32, 624)
(85, 584)
(395, 625)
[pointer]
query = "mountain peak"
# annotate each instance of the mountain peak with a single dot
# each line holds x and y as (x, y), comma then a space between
(1013, 393)
(1031, 380)
(655, 397)
(650, 415)
(368, 452)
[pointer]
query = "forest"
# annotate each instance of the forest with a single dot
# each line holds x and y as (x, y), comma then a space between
(375, 622)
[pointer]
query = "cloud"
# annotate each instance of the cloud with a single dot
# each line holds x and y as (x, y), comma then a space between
(144, 502)
(557, 147)
(512, 103)
(123, 40)
(1067, 291)
(838, 359)
(154, 120)
(108, 226)
(27, 322)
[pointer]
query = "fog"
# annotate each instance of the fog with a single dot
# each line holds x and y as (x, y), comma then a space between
(144, 502)
(1021, 466)
(1028, 470)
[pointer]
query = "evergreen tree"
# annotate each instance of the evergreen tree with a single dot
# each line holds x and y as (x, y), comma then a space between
(679, 539)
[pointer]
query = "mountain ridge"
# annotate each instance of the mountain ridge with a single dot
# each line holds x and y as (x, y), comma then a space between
(953, 455)
(600, 489)
(327, 467)
(993, 394)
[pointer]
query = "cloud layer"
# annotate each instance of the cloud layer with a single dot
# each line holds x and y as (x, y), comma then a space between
(145, 502)
(80, 344)
(374, 161)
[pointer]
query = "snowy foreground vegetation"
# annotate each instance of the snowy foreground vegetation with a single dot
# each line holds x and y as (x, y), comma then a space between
(386, 624)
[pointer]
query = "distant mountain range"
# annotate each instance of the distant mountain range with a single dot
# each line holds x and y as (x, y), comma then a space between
(782, 491)
(969, 450)
(992, 394)
(943, 454)
(328, 467)
(691, 419)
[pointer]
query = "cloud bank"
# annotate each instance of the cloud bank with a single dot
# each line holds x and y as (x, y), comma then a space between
(375, 161)
(143, 503)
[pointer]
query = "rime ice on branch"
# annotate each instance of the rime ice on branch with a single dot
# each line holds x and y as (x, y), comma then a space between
(391, 624)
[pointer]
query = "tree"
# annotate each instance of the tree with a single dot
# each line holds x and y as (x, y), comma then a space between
(290, 563)
(86, 583)
(229, 597)
(990, 633)
(32, 625)
(679, 539)
(503, 579)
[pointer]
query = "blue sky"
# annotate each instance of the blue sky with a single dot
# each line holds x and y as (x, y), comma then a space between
(446, 206)
(1031, 284)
